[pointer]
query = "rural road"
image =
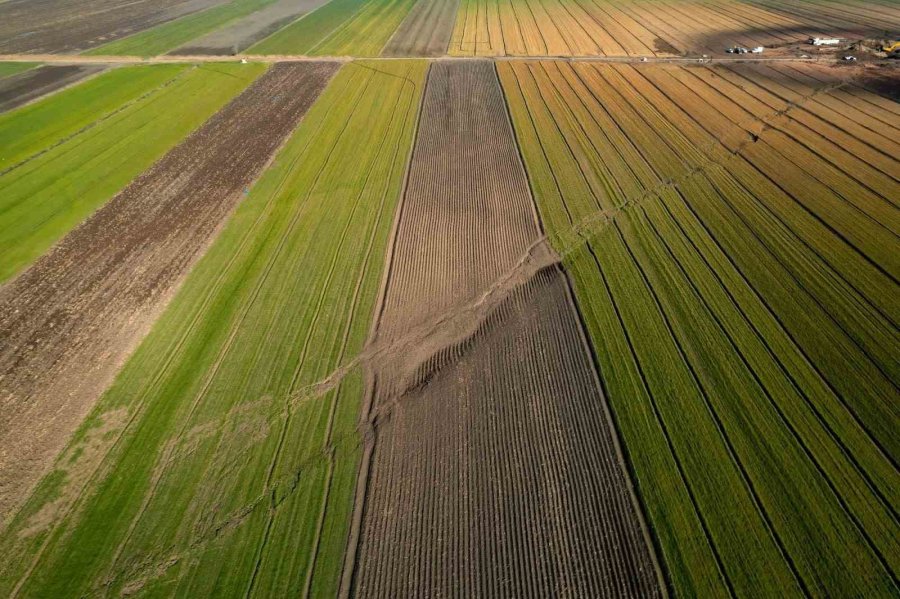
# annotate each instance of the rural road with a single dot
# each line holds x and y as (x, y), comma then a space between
(79, 59)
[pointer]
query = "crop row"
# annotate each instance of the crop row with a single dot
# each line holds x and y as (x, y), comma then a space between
(215, 465)
(743, 327)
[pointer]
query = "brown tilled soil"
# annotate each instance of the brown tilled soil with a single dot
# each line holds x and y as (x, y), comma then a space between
(492, 468)
(57, 26)
(69, 322)
(425, 31)
(242, 34)
(34, 83)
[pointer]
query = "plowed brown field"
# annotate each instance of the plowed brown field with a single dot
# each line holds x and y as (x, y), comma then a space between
(91, 299)
(492, 467)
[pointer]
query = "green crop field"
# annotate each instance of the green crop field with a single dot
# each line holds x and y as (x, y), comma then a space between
(754, 420)
(339, 28)
(37, 127)
(168, 36)
(100, 136)
(215, 465)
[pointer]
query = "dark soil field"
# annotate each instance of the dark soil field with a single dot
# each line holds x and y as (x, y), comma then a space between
(91, 299)
(493, 468)
(34, 83)
(425, 31)
(44, 26)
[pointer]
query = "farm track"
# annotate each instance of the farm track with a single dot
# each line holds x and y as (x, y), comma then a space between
(94, 296)
(35, 83)
(704, 267)
(505, 428)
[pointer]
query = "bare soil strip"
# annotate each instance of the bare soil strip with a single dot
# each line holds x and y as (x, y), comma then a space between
(492, 467)
(35, 83)
(239, 36)
(48, 26)
(425, 31)
(70, 321)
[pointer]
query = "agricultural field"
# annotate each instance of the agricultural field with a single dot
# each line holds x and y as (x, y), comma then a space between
(169, 36)
(249, 463)
(7, 69)
(450, 298)
(425, 31)
(22, 86)
(456, 426)
(69, 26)
(723, 247)
(54, 317)
(243, 33)
(339, 28)
(55, 176)
(658, 28)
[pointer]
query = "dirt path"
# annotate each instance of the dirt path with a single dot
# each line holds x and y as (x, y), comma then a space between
(492, 468)
(70, 321)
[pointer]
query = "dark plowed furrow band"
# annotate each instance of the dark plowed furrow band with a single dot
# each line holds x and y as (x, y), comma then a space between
(495, 469)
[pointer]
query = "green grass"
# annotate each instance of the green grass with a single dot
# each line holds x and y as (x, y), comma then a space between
(11, 68)
(233, 468)
(168, 36)
(35, 128)
(753, 421)
(339, 28)
(45, 197)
